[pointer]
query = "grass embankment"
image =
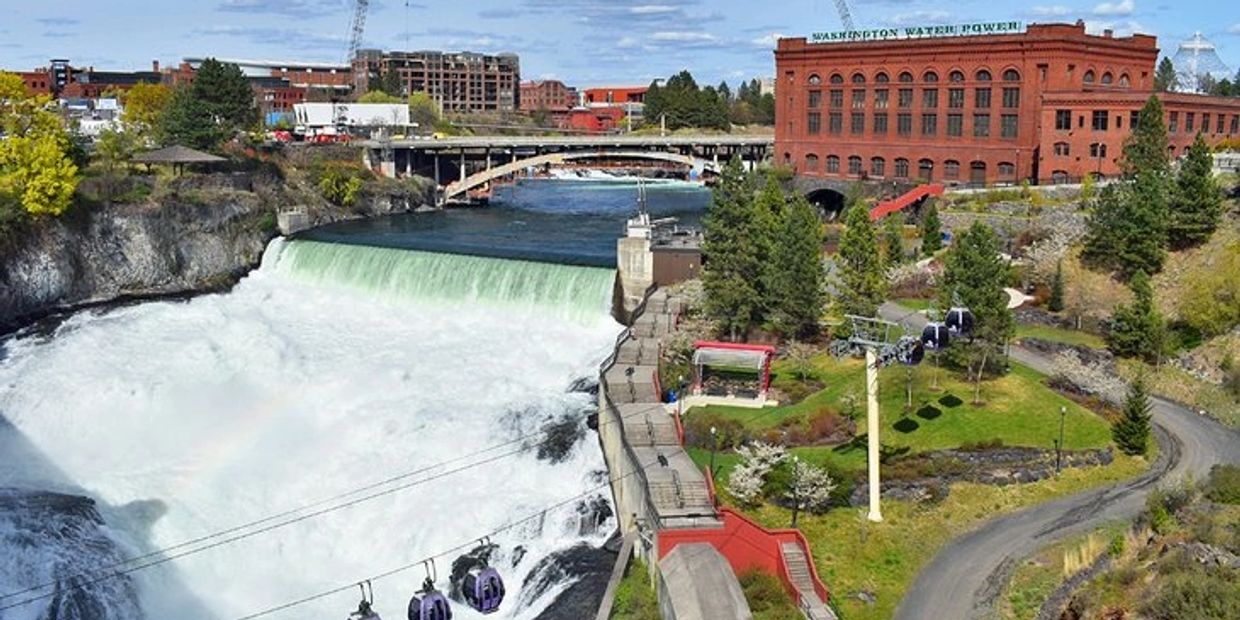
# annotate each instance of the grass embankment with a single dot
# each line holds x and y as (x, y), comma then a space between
(1176, 384)
(1038, 576)
(635, 597)
(853, 555)
(1060, 335)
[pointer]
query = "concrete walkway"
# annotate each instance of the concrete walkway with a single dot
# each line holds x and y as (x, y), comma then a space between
(965, 578)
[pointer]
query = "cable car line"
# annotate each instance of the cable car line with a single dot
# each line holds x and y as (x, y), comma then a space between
(161, 557)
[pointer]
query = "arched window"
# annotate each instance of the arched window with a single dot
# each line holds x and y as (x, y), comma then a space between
(787, 158)
(878, 167)
(854, 165)
(901, 168)
(925, 169)
(857, 78)
(955, 76)
(811, 162)
(1089, 76)
(833, 164)
(1007, 171)
(882, 78)
(837, 78)
(983, 76)
(905, 76)
(1107, 78)
(1011, 75)
(1059, 177)
(930, 76)
(977, 173)
(1123, 80)
(814, 80)
(951, 170)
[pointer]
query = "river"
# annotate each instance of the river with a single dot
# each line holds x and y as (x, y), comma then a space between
(362, 353)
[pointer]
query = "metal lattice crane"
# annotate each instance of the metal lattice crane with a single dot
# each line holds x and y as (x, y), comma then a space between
(845, 14)
(358, 27)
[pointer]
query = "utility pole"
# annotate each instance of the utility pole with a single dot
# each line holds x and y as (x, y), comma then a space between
(872, 424)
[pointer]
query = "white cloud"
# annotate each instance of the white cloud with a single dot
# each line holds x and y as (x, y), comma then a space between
(680, 36)
(917, 18)
(1057, 10)
(626, 43)
(768, 41)
(1235, 29)
(652, 9)
(1117, 9)
(1122, 28)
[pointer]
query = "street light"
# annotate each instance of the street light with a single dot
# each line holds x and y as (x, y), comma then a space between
(1063, 412)
(714, 445)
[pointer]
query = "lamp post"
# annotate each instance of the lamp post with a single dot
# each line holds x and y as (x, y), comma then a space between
(714, 445)
(1063, 412)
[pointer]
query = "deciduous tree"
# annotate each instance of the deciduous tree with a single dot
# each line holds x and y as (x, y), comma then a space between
(810, 489)
(37, 176)
(145, 105)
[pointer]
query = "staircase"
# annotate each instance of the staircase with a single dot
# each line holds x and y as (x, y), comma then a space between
(900, 203)
(797, 564)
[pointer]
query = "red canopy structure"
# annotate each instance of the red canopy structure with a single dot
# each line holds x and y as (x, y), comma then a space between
(731, 357)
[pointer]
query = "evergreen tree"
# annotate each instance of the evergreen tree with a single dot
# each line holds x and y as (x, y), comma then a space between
(765, 229)
(974, 276)
(797, 286)
(1055, 304)
(1165, 79)
(1145, 149)
(1131, 432)
(186, 122)
(226, 95)
(1197, 199)
(893, 241)
(392, 84)
(862, 284)
(1137, 329)
(731, 270)
(931, 232)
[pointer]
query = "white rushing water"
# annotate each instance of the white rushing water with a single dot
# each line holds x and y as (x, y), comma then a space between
(307, 380)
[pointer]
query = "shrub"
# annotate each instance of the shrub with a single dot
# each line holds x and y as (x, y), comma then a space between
(993, 443)
(728, 432)
(768, 600)
(1198, 594)
(340, 184)
(1116, 548)
(1224, 484)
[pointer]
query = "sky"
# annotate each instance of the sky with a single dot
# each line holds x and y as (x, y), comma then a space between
(583, 42)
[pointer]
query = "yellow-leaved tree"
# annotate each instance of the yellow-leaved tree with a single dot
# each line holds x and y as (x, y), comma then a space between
(37, 177)
(144, 108)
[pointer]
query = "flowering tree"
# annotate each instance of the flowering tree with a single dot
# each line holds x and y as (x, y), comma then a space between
(1091, 379)
(810, 489)
(758, 459)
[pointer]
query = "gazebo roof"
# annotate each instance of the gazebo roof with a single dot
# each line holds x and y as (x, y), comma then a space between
(176, 154)
(732, 355)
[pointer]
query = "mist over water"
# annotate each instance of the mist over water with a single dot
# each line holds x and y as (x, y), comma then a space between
(185, 418)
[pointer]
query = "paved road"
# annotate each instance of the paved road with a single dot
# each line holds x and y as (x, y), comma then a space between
(966, 576)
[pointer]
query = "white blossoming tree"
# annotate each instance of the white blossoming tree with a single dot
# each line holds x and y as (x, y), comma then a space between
(758, 458)
(810, 490)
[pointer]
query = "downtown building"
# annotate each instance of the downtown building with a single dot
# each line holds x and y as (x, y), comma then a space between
(1050, 104)
(459, 82)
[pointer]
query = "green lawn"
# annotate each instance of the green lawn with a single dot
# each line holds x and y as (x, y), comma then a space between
(1059, 334)
(914, 303)
(1017, 409)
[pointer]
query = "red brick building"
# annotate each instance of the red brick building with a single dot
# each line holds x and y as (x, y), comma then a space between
(611, 95)
(547, 95)
(1050, 104)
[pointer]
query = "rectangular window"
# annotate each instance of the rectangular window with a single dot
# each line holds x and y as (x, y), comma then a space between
(955, 98)
(930, 98)
(1134, 117)
(854, 166)
(1119, 121)
(858, 122)
(1188, 121)
(858, 99)
(929, 124)
(981, 125)
(833, 164)
(1062, 149)
(814, 123)
(955, 125)
(906, 98)
(1218, 127)
(1063, 120)
(1100, 120)
(836, 121)
(982, 98)
(1173, 125)
(1235, 124)
(878, 167)
(904, 124)
(1008, 125)
(1011, 98)
(815, 98)
(837, 98)
(880, 99)
(1205, 123)
(880, 124)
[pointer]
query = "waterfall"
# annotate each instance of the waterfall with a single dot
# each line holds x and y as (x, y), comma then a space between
(582, 293)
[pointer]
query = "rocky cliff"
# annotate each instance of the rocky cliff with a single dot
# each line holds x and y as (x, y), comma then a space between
(199, 233)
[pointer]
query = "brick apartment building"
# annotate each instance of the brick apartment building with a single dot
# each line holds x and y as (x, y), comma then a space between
(547, 95)
(1050, 104)
(460, 82)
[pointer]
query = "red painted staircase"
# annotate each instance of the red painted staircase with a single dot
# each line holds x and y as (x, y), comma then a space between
(900, 203)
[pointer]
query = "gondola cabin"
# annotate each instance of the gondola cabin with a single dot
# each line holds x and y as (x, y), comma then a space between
(429, 605)
(935, 336)
(960, 321)
(483, 589)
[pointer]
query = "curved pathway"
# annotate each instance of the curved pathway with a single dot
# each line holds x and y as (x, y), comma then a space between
(965, 578)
